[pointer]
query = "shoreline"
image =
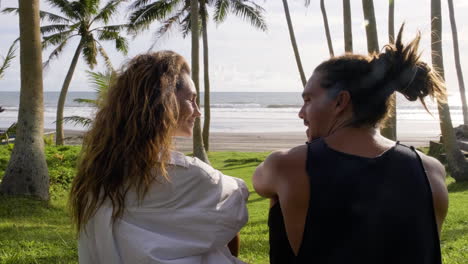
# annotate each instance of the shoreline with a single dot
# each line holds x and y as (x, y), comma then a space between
(250, 141)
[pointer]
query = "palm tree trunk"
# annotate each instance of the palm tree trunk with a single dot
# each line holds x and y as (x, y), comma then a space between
(371, 28)
(26, 173)
(390, 128)
(59, 135)
(198, 150)
(207, 117)
(456, 52)
(457, 164)
(391, 21)
(347, 24)
(293, 43)
(327, 29)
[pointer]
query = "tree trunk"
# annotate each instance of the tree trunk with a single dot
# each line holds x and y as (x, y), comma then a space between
(371, 27)
(26, 173)
(391, 21)
(390, 128)
(327, 29)
(457, 164)
(347, 23)
(207, 117)
(59, 135)
(456, 52)
(198, 150)
(293, 43)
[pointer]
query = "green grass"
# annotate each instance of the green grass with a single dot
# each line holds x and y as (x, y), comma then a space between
(33, 231)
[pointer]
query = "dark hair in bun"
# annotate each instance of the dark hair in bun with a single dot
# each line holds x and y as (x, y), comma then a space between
(372, 79)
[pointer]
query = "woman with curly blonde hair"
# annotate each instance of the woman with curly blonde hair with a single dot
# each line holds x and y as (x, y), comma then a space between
(136, 200)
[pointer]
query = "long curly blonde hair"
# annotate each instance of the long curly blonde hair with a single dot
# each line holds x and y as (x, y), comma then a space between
(130, 139)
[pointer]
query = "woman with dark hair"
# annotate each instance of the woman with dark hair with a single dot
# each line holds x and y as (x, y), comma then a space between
(350, 195)
(134, 199)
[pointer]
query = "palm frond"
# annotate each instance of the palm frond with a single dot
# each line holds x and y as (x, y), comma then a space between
(221, 10)
(53, 18)
(251, 12)
(65, 7)
(56, 39)
(9, 10)
(80, 9)
(121, 43)
(55, 53)
(106, 58)
(115, 28)
(186, 25)
(8, 58)
(54, 28)
(89, 50)
(108, 10)
(78, 120)
(90, 7)
(138, 4)
(169, 23)
(142, 18)
(101, 82)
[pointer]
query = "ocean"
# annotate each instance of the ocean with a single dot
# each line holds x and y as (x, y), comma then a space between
(246, 112)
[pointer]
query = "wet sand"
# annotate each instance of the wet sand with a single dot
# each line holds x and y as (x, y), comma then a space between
(252, 142)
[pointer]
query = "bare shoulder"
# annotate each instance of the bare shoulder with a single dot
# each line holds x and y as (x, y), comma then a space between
(286, 159)
(436, 174)
(288, 166)
(277, 169)
(433, 167)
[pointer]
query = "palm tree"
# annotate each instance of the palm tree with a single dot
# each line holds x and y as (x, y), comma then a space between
(371, 26)
(79, 19)
(293, 42)
(206, 77)
(325, 24)
(177, 13)
(390, 128)
(347, 24)
(391, 21)
(198, 149)
(456, 52)
(457, 164)
(26, 172)
(101, 82)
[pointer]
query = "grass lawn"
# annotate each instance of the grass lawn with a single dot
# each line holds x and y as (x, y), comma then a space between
(39, 232)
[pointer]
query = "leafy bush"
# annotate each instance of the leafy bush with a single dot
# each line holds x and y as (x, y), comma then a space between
(61, 161)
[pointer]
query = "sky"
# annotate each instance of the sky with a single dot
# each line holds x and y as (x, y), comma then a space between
(244, 59)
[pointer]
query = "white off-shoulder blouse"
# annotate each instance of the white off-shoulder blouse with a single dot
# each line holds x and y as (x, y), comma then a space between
(188, 220)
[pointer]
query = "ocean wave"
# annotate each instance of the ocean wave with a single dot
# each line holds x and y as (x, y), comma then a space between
(232, 105)
(283, 106)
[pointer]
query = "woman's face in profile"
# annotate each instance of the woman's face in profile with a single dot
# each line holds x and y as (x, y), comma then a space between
(188, 108)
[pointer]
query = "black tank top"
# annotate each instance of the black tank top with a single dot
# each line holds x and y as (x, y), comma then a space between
(362, 210)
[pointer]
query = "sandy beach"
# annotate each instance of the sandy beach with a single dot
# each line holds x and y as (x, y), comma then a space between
(250, 142)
